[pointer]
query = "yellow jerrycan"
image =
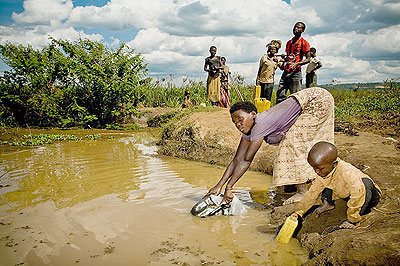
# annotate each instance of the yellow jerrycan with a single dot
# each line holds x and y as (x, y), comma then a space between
(262, 104)
(257, 92)
(287, 230)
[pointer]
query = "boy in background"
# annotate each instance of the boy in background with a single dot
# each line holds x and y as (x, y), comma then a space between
(186, 100)
(315, 63)
(338, 179)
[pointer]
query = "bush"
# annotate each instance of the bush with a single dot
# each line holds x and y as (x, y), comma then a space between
(369, 103)
(69, 83)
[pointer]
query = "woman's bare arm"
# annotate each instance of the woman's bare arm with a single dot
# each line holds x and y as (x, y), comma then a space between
(237, 167)
(243, 162)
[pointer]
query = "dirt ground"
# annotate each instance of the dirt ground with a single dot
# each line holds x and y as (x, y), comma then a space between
(211, 137)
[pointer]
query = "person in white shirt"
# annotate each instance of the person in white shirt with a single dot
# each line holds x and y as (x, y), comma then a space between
(315, 63)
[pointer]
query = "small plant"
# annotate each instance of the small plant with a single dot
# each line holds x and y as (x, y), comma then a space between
(41, 139)
(93, 137)
(116, 126)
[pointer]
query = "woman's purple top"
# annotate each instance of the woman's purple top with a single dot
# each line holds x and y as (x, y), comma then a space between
(273, 123)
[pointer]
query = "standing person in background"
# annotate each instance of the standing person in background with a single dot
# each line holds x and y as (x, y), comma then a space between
(213, 66)
(315, 63)
(296, 49)
(266, 71)
(224, 84)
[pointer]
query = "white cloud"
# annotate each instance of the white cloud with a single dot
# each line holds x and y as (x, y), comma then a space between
(387, 39)
(38, 36)
(43, 11)
(390, 68)
(120, 14)
(355, 39)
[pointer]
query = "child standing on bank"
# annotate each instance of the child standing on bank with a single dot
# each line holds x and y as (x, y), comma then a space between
(315, 63)
(338, 179)
(266, 71)
(225, 97)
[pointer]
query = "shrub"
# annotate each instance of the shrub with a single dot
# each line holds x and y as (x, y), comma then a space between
(70, 83)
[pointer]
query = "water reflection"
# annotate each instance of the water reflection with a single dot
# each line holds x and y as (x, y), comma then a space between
(68, 173)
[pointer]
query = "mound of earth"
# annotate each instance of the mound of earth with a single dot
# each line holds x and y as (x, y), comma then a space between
(211, 137)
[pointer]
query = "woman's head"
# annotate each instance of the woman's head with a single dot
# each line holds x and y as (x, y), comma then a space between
(213, 50)
(243, 115)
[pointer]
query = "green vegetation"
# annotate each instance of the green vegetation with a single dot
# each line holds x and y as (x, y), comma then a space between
(117, 126)
(86, 84)
(164, 93)
(353, 105)
(40, 139)
(69, 84)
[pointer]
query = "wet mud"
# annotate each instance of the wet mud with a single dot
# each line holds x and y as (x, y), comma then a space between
(212, 138)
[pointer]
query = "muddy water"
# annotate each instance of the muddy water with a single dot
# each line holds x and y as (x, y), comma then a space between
(113, 201)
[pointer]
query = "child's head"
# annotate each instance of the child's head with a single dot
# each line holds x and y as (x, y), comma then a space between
(323, 158)
(299, 28)
(213, 50)
(313, 51)
(243, 115)
(223, 60)
(187, 93)
(273, 46)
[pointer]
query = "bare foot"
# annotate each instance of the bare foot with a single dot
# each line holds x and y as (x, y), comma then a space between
(325, 206)
(293, 199)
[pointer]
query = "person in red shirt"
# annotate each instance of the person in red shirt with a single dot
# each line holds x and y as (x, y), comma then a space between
(296, 49)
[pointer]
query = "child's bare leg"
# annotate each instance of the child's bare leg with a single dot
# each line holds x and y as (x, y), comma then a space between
(301, 190)
(325, 206)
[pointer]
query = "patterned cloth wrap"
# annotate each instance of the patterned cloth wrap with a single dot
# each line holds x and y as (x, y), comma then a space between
(315, 123)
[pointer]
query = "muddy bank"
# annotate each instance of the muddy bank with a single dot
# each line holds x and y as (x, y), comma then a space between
(211, 137)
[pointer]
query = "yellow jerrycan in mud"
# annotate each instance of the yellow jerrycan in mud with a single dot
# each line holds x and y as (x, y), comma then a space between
(287, 230)
(261, 104)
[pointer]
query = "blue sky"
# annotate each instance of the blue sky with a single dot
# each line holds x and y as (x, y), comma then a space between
(357, 41)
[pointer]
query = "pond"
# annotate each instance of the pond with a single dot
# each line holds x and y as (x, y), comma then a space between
(115, 201)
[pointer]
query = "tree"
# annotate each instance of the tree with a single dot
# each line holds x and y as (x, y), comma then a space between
(70, 83)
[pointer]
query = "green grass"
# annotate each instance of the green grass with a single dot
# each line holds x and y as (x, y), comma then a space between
(41, 139)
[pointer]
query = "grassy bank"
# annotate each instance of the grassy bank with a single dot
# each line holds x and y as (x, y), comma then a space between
(355, 107)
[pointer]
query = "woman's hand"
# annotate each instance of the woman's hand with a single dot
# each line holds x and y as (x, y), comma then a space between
(213, 191)
(228, 196)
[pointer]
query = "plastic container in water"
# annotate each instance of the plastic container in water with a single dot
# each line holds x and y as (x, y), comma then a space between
(287, 230)
(262, 104)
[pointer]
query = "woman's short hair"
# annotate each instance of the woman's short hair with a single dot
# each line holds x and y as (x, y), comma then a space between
(248, 107)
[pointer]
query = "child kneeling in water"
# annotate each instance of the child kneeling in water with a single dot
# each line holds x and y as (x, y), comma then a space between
(338, 179)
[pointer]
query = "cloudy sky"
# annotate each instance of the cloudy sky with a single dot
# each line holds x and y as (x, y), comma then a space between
(357, 40)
